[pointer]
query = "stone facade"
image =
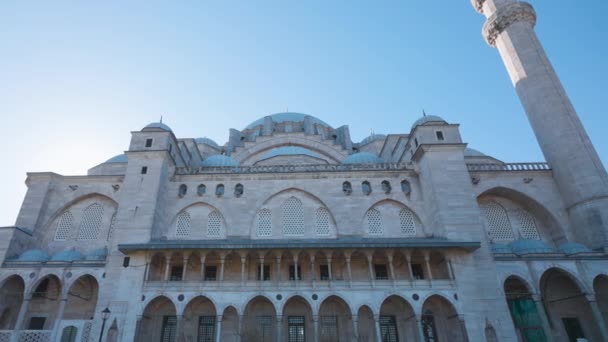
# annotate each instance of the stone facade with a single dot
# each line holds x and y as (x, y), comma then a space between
(291, 231)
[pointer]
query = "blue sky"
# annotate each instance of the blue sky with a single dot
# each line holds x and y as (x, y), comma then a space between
(77, 77)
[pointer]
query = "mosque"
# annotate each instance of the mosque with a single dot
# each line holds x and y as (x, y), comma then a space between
(290, 231)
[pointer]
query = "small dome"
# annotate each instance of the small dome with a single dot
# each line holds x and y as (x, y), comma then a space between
(156, 126)
(471, 152)
(428, 119)
(98, 254)
(499, 248)
(372, 137)
(363, 158)
(570, 248)
(69, 255)
(522, 247)
(287, 117)
(34, 255)
(220, 160)
(121, 158)
(207, 141)
(290, 151)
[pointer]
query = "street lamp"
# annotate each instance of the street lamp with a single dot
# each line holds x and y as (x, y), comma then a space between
(104, 315)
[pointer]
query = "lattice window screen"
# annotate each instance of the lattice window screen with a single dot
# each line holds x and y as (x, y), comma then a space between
(406, 219)
(499, 225)
(183, 224)
(264, 223)
(322, 221)
(293, 217)
(373, 221)
(214, 224)
(64, 226)
(527, 225)
(91, 220)
(112, 225)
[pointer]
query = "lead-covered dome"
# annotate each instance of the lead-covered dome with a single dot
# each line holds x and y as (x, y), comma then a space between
(34, 255)
(207, 141)
(371, 138)
(121, 158)
(428, 119)
(219, 160)
(287, 117)
(156, 126)
(290, 151)
(363, 158)
(525, 246)
(68, 256)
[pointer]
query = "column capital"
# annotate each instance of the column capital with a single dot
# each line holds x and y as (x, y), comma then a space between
(504, 17)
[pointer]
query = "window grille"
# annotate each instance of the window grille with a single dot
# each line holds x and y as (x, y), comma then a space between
(324, 272)
(295, 325)
(64, 226)
(381, 272)
(388, 328)
(211, 273)
(406, 219)
(293, 217)
(265, 326)
(182, 227)
(169, 329)
(91, 220)
(214, 224)
(292, 272)
(499, 225)
(206, 329)
(68, 334)
(429, 330)
(329, 328)
(527, 225)
(264, 223)
(322, 225)
(373, 221)
(112, 225)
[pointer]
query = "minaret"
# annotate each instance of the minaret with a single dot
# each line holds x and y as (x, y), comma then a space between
(577, 169)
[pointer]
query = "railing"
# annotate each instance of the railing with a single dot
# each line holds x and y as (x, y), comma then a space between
(292, 168)
(5, 335)
(510, 167)
(35, 336)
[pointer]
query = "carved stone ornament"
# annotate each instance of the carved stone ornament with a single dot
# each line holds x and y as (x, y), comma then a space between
(478, 5)
(73, 187)
(503, 18)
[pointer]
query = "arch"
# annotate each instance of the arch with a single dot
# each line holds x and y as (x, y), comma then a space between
(65, 224)
(90, 222)
(230, 325)
(194, 221)
(373, 222)
(297, 318)
(46, 294)
(78, 199)
(366, 325)
(199, 320)
(159, 319)
(440, 319)
(555, 230)
(268, 143)
(568, 309)
(292, 214)
(499, 225)
(397, 319)
(259, 320)
(398, 219)
(323, 221)
(524, 313)
(82, 297)
(335, 319)
(12, 293)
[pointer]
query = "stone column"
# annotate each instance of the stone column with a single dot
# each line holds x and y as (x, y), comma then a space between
(378, 331)
(542, 314)
(315, 324)
(239, 327)
(203, 257)
(420, 329)
(349, 269)
(427, 259)
(261, 274)
(167, 267)
(312, 269)
(218, 333)
(463, 328)
(59, 317)
(243, 261)
(331, 277)
(279, 328)
(278, 270)
(148, 270)
(185, 267)
(20, 318)
(295, 268)
(450, 271)
(391, 268)
(369, 256)
(599, 318)
(578, 172)
(355, 328)
(222, 262)
(179, 327)
(408, 258)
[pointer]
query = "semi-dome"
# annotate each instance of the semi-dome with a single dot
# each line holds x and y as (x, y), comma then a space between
(527, 246)
(287, 117)
(34, 255)
(570, 248)
(69, 256)
(501, 248)
(372, 137)
(428, 119)
(121, 158)
(207, 141)
(98, 254)
(219, 160)
(290, 151)
(363, 158)
(157, 126)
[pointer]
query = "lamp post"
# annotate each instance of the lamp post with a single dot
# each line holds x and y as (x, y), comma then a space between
(104, 316)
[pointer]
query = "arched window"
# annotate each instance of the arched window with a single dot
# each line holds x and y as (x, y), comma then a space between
(406, 220)
(214, 224)
(91, 221)
(263, 223)
(219, 190)
(366, 188)
(527, 225)
(293, 217)
(239, 190)
(406, 187)
(347, 188)
(201, 189)
(322, 222)
(498, 222)
(183, 189)
(112, 225)
(64, 226)
(386, 187)
(373, 222)
(182, 224)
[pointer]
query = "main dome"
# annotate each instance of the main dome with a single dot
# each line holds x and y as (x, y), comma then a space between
(287, 117)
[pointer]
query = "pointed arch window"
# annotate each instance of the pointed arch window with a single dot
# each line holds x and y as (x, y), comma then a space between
(527, 225)
(498, 222)
(322, 222)
(264, 223)
(215, 224)
(64, 226)
(91, 221)
(183, 224)
(293, 217)
(406, 220)
(373, 222)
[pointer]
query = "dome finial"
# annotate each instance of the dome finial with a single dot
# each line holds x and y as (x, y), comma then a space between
(161, 119)
(423, 112)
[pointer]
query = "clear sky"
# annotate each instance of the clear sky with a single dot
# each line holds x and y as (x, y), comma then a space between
(77, 77)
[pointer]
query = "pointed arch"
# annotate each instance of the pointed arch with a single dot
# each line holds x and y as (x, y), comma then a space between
(292, 214)
(393, 219)
(499, 226)
(91, 222)
(198, 220)
(64, 226)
